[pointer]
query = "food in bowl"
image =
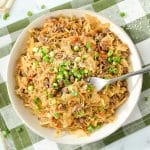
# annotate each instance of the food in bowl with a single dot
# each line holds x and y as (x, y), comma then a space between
(51, 73)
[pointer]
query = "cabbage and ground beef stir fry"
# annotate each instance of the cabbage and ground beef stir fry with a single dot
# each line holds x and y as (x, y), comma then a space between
(51, 74)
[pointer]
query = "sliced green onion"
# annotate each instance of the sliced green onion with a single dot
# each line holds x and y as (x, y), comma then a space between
(42, 54)
(90, 128)
(74, 70)
(6, 16)
(61, 69)
(43, 6)
(86, 71)
(90, 87)
(61, 72)
(66, 73)
(67, 63)
(6, 132)
(51, 60)
(62, 65)
(122, 14)
(74, 93)
(66, 82)
(30, 88)
(55, 85)
(88, 45)
(110, 59)
(36, 100)
(81, 113)
(29, 13)
(82, 72)
(112, 70)
(37, 107)
(59, 77)
(35, 63)
(79, 76)
(45, 50)
(56, 115)
(110, 52)
(116, 59)
(46, 58)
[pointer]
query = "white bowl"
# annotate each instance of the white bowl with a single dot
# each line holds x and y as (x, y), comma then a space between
(134, 84)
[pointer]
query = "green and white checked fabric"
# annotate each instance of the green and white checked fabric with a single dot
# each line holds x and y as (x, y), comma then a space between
(136, 23)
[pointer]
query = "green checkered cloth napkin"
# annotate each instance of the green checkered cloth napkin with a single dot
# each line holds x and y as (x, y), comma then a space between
(136, 23)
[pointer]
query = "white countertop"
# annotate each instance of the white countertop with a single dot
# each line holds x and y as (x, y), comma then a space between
(137, 141)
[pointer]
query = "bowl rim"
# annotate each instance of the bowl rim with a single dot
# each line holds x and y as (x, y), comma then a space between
(140, 79)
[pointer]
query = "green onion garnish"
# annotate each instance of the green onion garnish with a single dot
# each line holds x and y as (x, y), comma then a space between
(59, 77)
(82, 72)
(35, 63)
(81, 113)
(51, 60)
(41, 52)
(116, 59)
(110, 52)
(37, 107)
(78, 76)
(46, 58)
(88, 45)
(6, 15)
(66, 82)
(55, 85)
(110, 59)
(90, 87)
(45, 50)
(43, 6)
(66, 73)
(67, 63)
(56, 115)
(74, 93)
(29, 13)
(90, 128)
(6, 132)
(112, 70)
(36, 100)
(122, 14)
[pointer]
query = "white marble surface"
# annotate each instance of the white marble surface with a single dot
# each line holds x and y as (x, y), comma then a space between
(137, 141)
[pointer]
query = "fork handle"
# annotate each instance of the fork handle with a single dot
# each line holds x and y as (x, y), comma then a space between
(141, 71)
